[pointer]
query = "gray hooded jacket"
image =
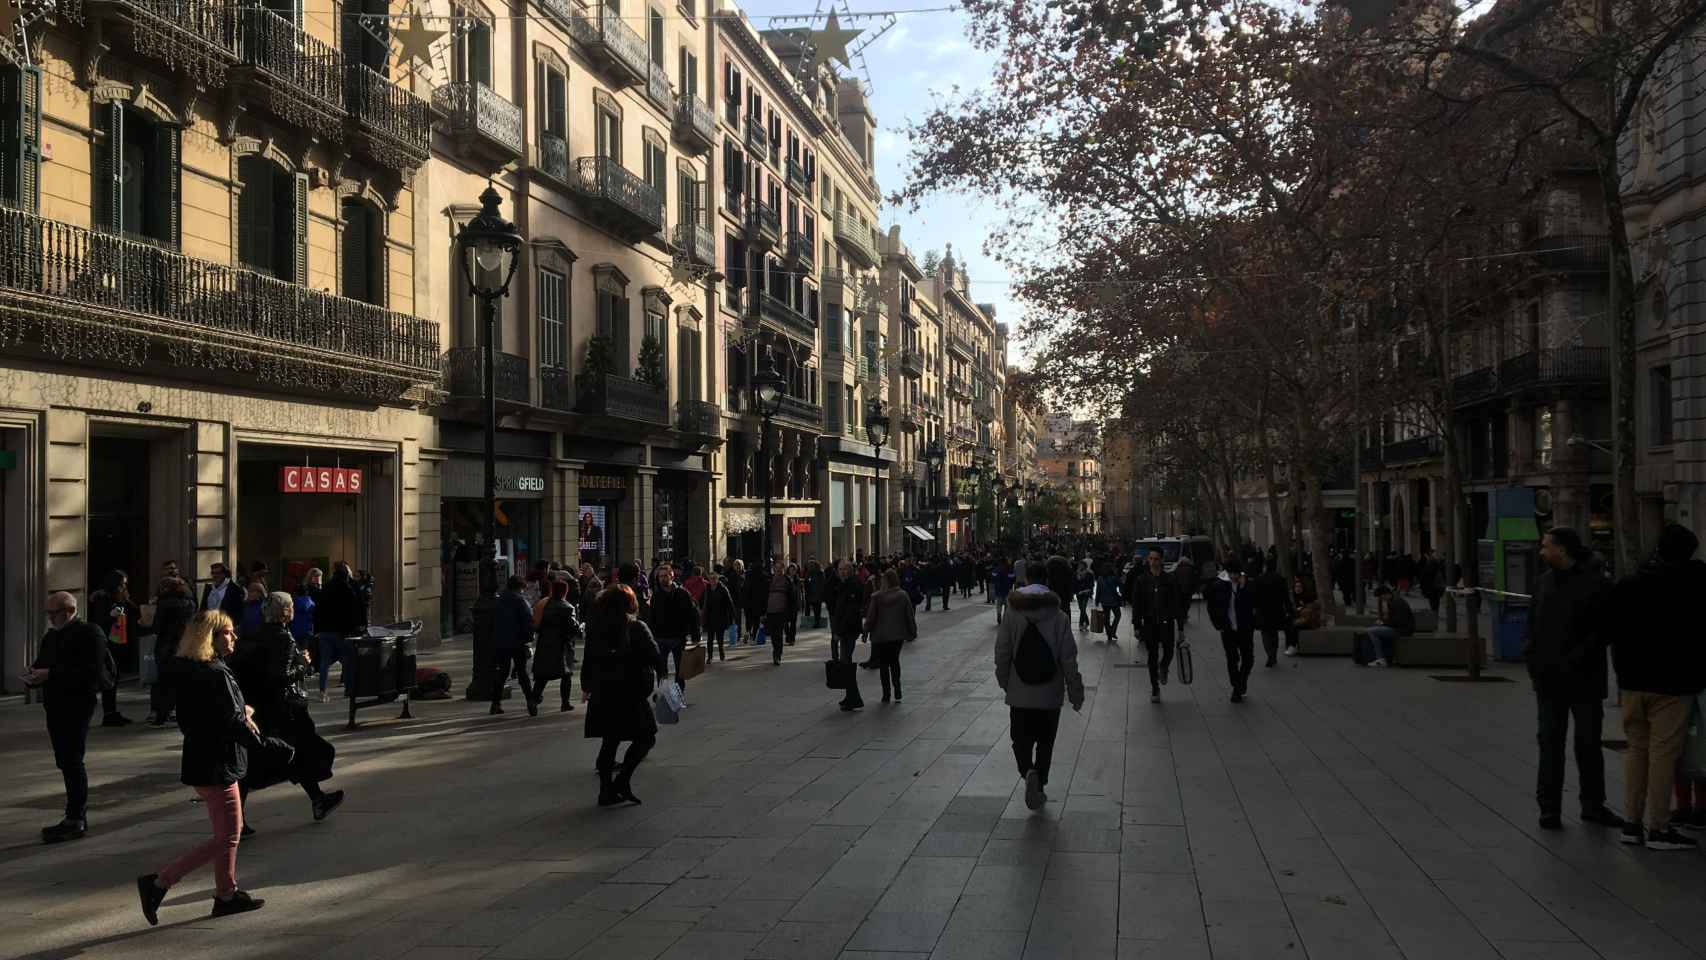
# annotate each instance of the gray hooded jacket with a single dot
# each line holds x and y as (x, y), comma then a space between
(1041, 607)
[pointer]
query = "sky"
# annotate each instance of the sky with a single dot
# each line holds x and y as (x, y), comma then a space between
(914, 64)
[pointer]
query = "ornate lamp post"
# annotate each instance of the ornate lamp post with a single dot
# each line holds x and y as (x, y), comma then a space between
(877, 431)
(491, 249)
(934, 456)
(767, 391)
(974, 473)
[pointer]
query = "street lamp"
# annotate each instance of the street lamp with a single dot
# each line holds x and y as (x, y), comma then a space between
(934, 456)
(767, 392)
(877, 431)
(974, 473)
(1025, 517)
(491, 249)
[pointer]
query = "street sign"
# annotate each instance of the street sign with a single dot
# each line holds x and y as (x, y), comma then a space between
(319, 480)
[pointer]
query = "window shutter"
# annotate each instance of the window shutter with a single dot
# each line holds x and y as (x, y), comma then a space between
(623, 322)
(299, 204)
(109, 167)
(165, 201)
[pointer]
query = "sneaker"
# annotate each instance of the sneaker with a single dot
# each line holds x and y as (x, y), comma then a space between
(1379, 662)
(1603, 817)
(1551, 821)
(1683, 819)
(325, 697)
(1670, 840)
(151, 894)
(1633, 835)
(1155, 698)
(1033, 791)
(1291, 651)
(327, 803)
(64, 830)
(115, 720)
(239, 902)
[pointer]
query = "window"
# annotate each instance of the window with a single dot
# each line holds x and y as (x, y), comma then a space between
(655, 35)
(690, 195)
(731, 91)
(656, 332)
(613, 317)
(687, 67)
(1658, 390)
(609, 131)
(136, 174)
(471, 50)
(832, 403)
(1542, 438)
(20, 136)
(689, 370)
(553, 319)
(734, 172)
(657, 167)
(272, 216)
(369, 43)
(553, 102)
(363, 252)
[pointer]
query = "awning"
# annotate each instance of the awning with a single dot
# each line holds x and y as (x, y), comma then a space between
(921, 533)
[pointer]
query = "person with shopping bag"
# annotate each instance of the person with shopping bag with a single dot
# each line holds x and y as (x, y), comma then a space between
(622, 667)
(846, 598)
(674, 620)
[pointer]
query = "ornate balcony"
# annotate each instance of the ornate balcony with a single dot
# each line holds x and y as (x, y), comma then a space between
(756, 136)
(855, 239)
(555, 389)
(1413, 449)
(909, 415)
(613, 45)
(613, 396)
(1474, 386)
(389, 123)
(763, 227)
(623, 203)
(695, 241)
(797, 178)
(463, 380)
(1554, 367)
(75, 295)
(699, 417)
(965, 434)
(695, 124)
(959, 387)
(778, 311)
(195, 37)
(1573, 252)
(658, 88)
(800, 252)
(800, 412)
(960, 342)
(983, 410)
(551, 157)
(482, 124)
(912, 362)
(290, 73)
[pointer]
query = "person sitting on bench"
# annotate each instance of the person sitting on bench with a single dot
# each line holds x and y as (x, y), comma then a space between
(1396, 619)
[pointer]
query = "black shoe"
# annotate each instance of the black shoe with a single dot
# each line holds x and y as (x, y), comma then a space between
(1670, 840)
(896, 694)
(247, 831)
(787, 643)
(1272, 661)
(64, 830)
(1164, 675)
(1551, 821)
(151, 894)
(327, 803)
(567, 707)
(775, 661)
(497, 708)
(1603, 817)
(885, 698)
(624, 787)
(850, 707)
(1237, 697)
(240, 902)
(721, 655)
(115, 720)
(607, 795)
(533, 708)
(1633, 835)
(868, 665)
(1154, 696)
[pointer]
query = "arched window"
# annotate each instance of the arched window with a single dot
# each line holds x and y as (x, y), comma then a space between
(363, 252)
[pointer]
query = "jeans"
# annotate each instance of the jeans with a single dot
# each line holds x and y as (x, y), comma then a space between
(1112, 616)
(1083, 610)
(68, 731)
(1555, 712)
(887, 656)
(1270, 643)
(1033, 739)
(816, 608)
(1240, 647)
(776, 628)
(1385, 640)
(1158, 635)
(792, 625)
(331, 651)
(673, 647)
(1657, 728)
(225, 810)
(637, 751)
(841, 648)
(507, 663)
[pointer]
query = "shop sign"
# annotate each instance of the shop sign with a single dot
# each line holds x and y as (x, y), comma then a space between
(600, 481)
(796, 527)
(319, 480)
(464, 478)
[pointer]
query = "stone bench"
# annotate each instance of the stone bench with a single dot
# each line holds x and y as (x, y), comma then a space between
(1417, 650)
(1334, 641)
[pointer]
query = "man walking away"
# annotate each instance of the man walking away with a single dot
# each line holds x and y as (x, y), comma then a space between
(1231, 609)
(70, 670)
(846, 622)
(1155, 608)
(1036, 664)
(1661, 668)
(1565, 650)
(512, 629)
(1000, 585)
(1185, 575)
(1109, 598)
(720, 613)
(1273, 610)
(1059, 580)
(674, 621)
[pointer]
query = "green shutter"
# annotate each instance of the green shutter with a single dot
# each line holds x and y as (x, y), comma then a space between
(299, 204)
(20, 136)
(164, 200)
(624, 320)
(109, 166)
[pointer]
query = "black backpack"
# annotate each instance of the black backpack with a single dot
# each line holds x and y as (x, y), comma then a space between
(1033, 661)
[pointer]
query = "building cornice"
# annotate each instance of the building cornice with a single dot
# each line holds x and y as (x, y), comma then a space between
(760, 57)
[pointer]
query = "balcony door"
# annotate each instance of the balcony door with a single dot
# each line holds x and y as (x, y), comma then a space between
(137, 174)
(363, 252)
(272, 219)
(367, 35)
(471, 49)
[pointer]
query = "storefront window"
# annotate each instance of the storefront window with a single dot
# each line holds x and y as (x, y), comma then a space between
(669, 515)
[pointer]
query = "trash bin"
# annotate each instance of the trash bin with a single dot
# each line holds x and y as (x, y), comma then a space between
(382, 667)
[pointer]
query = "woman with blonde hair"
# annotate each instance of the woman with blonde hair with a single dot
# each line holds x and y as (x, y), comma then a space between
(219, 731)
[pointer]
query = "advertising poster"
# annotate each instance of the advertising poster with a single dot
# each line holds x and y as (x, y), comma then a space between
(592, 527)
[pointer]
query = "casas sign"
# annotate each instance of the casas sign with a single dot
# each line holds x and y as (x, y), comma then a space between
(319, 480)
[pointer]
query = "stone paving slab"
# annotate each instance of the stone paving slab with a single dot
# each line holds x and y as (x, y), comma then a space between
(1339, 813)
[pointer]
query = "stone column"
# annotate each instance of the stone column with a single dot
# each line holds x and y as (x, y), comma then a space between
(67, 501)
(640, 543)
(427, 476)
(215, 516)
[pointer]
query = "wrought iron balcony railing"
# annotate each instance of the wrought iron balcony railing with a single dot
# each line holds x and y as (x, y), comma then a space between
(779, 310)
(959, 341)
(1554, 366)
(983, 410)
(696, 242)
(855, 238)
(658, 88)
(552, 158)
(612, 396)
(800, 249)
(912, 363)
(1474, 386)
(396, 123)
(1414, 448)
(555, 389)
(763, 227)
(797, 178)
(756, 136)
(302, 71)
(625, 203)
(81, 295)
(612, 44)
(700, 417)
(695, 123)
(908, 415)
(480, 120)
(1573, 252)
(463, 379)
(802, 412)
(197, 36)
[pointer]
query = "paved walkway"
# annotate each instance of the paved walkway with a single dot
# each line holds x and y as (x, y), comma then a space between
(1338, 813)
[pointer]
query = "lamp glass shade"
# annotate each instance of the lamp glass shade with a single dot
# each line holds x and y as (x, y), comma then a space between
(768, 394)
(490, 256)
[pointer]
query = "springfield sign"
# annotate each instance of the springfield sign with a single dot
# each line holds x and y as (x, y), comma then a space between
(319, 480)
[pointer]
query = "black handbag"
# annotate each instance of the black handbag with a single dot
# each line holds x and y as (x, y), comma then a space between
(838, 674)
(1183, 655)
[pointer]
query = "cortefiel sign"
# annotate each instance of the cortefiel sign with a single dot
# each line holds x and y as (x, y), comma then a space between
(319, 480)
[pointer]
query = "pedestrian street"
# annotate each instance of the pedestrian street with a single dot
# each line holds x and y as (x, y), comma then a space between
(1339, 812)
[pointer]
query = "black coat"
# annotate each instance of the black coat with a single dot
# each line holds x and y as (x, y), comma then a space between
(673, 614)
(339, 609)
(620, 673)
(1656, 646)
(558, 630)
(217, 741)
(846, 606)
(72, 656)
(231, 603)
(172, 613)
(1272, 601)
(1156, 599)
(1565, 647)
(719, 608)
(1219, 595)
(512, 625)
(757, 599)
(268, 669)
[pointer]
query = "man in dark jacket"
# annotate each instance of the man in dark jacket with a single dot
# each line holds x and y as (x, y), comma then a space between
(512, 630)
(1273, 610)
(1661, 668)
(223, 593)
(337, 617)
(674, 620)
(846, 622)
(68, 670)
(1565, 650)
(1155, 608)
(1232, 610)
(719, 611)
(173, 609)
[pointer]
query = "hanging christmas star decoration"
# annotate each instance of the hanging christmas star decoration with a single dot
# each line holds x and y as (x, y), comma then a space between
(831, 42)
(414, 42)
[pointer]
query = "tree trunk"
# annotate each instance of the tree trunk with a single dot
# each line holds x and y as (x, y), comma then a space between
(1621, 323)
(1320, 533)
(1276, 522)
